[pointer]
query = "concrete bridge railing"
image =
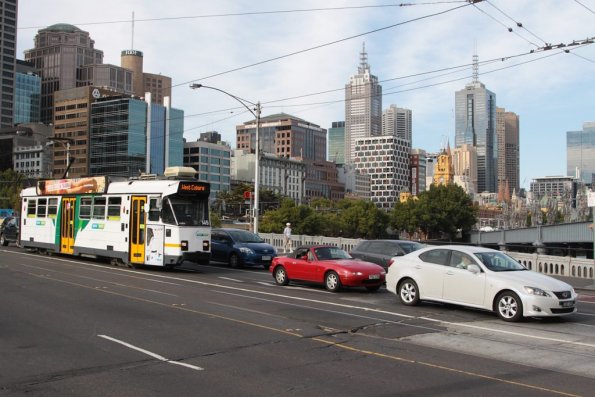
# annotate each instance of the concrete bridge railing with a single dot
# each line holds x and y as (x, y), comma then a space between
(563, 266)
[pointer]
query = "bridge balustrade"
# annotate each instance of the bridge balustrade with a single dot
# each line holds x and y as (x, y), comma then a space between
(564, 266)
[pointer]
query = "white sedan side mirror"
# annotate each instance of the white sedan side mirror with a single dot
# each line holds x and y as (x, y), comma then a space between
(473, 269)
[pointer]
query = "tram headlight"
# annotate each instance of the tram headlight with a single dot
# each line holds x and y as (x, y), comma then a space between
(184, 245)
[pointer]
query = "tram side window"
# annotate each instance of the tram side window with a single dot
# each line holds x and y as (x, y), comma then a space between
(85, 212)
(154, 209)
(52, 207)
(113, 208)
(99, 207)
(31, 207)
(42, 206)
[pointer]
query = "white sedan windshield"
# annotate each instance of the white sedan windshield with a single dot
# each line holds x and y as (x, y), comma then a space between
(499, 262)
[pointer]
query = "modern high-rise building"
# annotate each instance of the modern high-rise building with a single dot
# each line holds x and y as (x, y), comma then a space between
(285, 136)
(212, 161)
(418, 167)
(336, 143)
(386, 159)
(397, 121)
(507, 132)
(580, 153)
(475, 124)
(58, 53)
(129, 136)
(72, 118)
(27, 94)
(363, 107)
(8, 46)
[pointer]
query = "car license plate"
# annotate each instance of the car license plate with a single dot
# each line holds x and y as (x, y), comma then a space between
(567, 304)
(266, 257)
(374, 276)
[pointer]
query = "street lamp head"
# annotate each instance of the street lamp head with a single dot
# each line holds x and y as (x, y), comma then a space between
(195, 86)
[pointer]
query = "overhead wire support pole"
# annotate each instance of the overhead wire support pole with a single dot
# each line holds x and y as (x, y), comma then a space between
(256, 113)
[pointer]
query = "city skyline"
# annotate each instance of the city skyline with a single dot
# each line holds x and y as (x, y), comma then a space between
(550, 95)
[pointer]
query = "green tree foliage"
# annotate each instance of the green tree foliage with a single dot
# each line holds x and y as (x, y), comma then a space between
(442, 210)
(346, 218)
(11, 184)
(403, 217)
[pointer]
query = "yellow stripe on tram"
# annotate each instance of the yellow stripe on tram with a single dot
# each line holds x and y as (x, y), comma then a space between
(171, 245)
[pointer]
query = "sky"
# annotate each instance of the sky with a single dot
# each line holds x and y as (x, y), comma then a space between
(281, 53)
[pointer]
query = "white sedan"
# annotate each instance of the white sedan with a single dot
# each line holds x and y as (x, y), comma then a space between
(478, 277)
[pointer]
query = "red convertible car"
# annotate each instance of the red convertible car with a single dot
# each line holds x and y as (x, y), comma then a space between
(328, 265)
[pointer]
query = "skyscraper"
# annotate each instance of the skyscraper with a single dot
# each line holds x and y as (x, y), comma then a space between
(475, 124)
(59, 50)
(363, 107)
(580, 153)
(507, 132)
(8, 45)
(397, 121)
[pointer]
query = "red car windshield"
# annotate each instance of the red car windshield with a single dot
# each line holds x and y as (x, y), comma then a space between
(329, 253)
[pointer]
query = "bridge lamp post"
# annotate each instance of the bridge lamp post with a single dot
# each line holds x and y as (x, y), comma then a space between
(256, 113)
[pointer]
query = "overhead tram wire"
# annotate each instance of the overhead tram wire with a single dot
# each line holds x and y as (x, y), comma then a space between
(239, 14)
(574, 43)
(322, 45)
(578, 2)
(518, 24)
(508, 28)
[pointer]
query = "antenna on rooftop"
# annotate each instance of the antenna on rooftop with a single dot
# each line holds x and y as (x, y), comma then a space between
(475, 65)
(132, 42)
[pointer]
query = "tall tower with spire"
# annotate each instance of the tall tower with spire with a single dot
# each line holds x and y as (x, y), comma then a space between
(363, 106)
(475, 125)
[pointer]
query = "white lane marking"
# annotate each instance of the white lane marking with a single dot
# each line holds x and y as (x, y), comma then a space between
(265, 283)
(231, 279)
(148, 353)
(365, 309)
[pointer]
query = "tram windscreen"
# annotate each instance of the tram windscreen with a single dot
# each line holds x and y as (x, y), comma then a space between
(187, 211)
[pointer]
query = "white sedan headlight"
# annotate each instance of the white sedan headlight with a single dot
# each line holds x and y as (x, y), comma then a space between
(536, 291)
(246, 250)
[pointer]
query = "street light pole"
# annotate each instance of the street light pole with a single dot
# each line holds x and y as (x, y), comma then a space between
(256, 113)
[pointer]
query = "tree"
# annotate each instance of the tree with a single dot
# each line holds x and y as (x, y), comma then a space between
(403, 217)
(445, 209)
(11, 184)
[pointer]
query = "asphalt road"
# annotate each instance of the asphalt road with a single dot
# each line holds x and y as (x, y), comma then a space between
(84, 328)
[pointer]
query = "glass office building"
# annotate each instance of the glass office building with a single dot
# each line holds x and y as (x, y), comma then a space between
(8, 46)
(580, 153)
(117, 144)
(27, 95)
(475, 124)
(336, 142)
(213, 163)
(118, 138)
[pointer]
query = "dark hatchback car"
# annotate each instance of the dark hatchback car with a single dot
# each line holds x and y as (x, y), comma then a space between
(381, 251)
(241, 248)
(9, 230)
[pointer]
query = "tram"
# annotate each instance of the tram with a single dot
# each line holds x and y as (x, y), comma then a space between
(141, 221)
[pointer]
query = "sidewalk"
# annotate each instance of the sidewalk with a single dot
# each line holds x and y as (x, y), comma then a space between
(580, 284)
